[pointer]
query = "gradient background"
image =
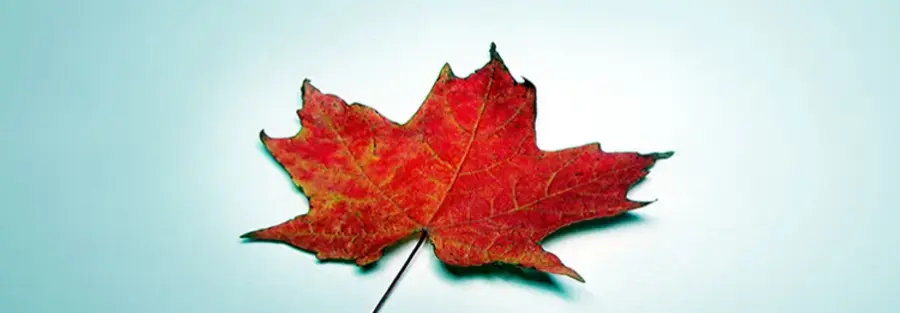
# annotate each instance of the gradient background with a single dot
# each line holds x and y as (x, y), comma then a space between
(131, 162)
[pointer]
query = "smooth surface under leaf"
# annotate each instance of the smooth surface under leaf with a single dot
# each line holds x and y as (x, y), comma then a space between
(465, 169)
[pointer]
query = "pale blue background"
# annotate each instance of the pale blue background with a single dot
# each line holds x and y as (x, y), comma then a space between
(131, 164)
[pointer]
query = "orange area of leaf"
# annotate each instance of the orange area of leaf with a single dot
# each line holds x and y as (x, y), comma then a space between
(465, 168)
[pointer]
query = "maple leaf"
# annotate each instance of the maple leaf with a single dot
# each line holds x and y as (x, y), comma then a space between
(465, 170)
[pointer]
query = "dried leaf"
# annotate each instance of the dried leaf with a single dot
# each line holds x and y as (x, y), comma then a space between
(465, 169)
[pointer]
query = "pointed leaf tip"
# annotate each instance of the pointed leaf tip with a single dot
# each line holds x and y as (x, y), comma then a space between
(641, 204)
(577, 277)
(573, 274)
(446, 72)
(307, 87)
(249, 235)
(662, 155)
(528, 84)
(494, 54)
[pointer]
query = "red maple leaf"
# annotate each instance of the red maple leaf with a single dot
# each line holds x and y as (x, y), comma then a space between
(465, 171)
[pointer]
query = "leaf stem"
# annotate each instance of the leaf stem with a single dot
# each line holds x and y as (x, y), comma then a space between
(400, 273)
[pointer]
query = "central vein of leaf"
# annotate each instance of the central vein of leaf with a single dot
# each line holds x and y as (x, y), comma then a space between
(462, 160)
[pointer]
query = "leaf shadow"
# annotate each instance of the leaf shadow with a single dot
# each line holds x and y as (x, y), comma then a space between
(362, 269)
(599, 224)
(506, 272)
(531, 277)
